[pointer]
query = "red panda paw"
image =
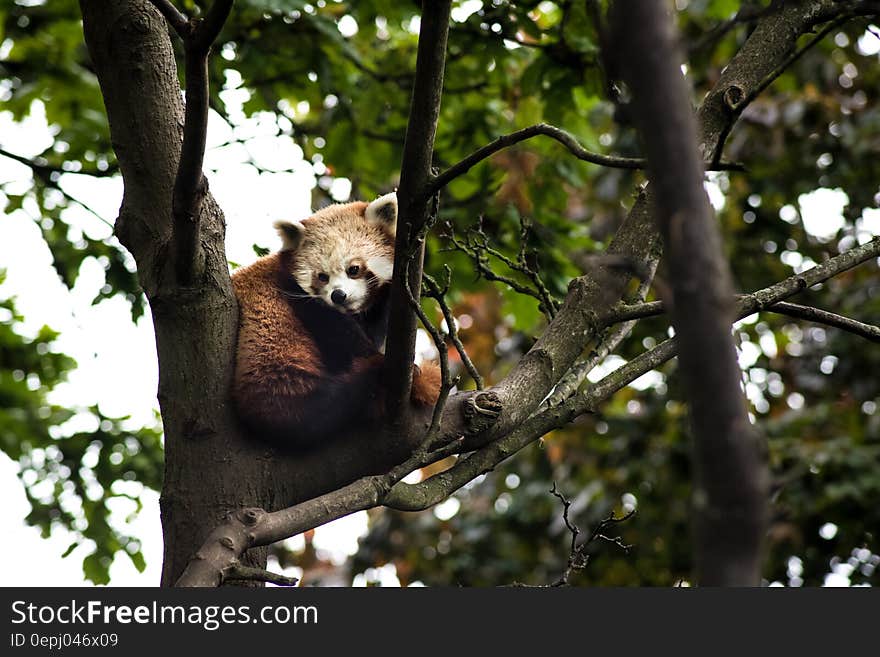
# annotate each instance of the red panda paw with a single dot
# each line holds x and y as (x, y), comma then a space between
(426, 384)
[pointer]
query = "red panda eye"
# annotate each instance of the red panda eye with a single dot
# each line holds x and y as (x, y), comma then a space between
(353, 271)
(324, 278)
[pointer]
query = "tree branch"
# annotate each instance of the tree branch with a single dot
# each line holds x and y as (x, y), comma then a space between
(439, 295)
(190, 185)
(435, 489)
(565, 138)
(578, 558)
(238, 572)
(506, 141)
(253, 527)
(818, 316)
(609, 341)
(414, 206)
(505, 411)
(809, 313)
(761, 59)
(770, 296)
(178, 21)
(767, 298)
(731, 478)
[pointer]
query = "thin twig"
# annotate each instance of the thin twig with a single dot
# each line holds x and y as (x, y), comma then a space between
(520, 264)
(566, 505)
(578, 558)
(476, 245)
(447, 380)
(439, 295)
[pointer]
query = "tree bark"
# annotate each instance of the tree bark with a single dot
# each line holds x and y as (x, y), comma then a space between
(731, 477)
(414, 211)
(195, 327)
(212, 467)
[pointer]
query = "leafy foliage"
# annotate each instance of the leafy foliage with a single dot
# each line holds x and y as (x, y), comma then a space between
(72, 478)
(334, 78)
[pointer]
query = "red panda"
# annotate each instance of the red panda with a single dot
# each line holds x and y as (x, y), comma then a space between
(312, 324)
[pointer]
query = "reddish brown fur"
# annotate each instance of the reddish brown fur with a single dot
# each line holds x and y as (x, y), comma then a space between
(282, 387)
(426, 384)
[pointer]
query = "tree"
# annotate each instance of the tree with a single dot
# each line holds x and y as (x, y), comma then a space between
(536, 63)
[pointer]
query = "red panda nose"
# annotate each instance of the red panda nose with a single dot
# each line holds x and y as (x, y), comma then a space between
(338, 296)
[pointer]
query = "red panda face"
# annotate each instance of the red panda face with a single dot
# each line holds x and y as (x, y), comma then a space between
(343, 254)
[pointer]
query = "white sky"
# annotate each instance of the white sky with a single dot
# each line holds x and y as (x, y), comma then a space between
(117, 360)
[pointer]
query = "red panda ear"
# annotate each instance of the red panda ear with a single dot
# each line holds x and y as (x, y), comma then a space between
(291, 234)
(383, 211)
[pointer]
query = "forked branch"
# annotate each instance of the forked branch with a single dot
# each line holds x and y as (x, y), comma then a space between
(520, 393)
(254, 527)
(190, 185)
(438, 293)
(475, 244)
(771, 298)
(415, 497)
(568, 140)
(578, 556)
(628, 313)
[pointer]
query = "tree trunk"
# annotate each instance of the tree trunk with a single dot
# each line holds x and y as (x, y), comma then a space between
(211, 466)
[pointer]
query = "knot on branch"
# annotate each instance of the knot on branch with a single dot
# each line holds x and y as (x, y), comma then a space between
(250, 517)
(733, 97)
(140, 21)
(482, 410)
(191, 27)
(195, 429)
(577, 285)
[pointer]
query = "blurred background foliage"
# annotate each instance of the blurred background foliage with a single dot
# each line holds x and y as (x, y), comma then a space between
(334, 78)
